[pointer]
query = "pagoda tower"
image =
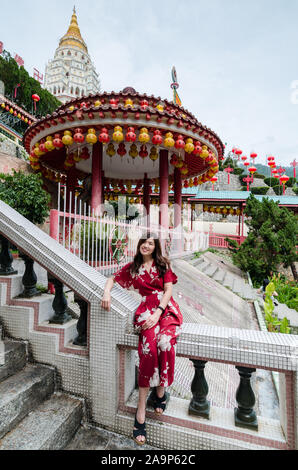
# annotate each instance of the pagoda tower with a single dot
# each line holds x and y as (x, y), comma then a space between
(71, 74)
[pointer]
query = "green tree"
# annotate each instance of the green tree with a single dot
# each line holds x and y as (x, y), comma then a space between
(11, 74)
(24, 193)
(271, 239)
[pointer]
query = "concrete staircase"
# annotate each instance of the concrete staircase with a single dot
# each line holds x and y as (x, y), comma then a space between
(32, 415)
(226, 274)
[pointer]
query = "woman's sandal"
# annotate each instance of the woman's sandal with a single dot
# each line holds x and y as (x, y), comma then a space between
(158, 403)
(140, 431)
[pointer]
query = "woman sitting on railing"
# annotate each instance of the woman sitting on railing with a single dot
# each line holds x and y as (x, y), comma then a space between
(157, 319)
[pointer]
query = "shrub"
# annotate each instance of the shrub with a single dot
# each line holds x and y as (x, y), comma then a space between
(278, 189)
(260, 190)
(24, 193)
(258, 175)
(271, 181)
(271, 239)
(238, 171)
(291, 182)
(295, 189)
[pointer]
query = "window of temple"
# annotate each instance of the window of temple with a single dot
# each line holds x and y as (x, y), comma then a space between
(68, 53)
(77, 91)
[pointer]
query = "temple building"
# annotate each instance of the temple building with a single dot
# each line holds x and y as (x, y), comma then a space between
(71, 74)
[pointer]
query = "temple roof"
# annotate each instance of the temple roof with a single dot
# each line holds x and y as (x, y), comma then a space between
(73, 36)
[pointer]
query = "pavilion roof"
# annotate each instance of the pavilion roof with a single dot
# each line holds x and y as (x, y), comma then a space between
(241, 196)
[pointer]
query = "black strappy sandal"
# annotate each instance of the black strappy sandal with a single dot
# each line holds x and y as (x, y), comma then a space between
(156, 402)
(140, 431)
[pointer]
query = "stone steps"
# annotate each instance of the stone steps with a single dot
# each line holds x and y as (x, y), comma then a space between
(32, 416)
(50, 426)
(226, 275)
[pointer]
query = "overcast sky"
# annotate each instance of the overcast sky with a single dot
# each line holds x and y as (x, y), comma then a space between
(236, 60)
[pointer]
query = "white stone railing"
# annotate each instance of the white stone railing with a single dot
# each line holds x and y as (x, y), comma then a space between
(109, 367)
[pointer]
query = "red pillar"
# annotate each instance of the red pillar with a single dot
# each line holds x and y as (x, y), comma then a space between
(97, 190)
(177, 197)
(178, 208)
(164, 192)
(146, 199)
(242, 215)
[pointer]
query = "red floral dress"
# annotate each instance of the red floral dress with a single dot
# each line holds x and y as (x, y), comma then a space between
(157, 345)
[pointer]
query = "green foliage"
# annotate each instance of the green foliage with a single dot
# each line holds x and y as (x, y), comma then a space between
(260, 190)
(278, 189)
(259, 175)
(287, 291)
(271, 181)
(295, 189)
(243, 188)
(274, 325)
(271, 239)
(291, 182)
(24, 193)
(238, 171)
(11, 74)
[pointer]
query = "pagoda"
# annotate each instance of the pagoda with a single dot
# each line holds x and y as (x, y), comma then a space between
(71, 74)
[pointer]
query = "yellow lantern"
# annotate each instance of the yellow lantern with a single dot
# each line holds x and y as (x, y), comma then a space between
(97, 103)
(169, 141)
(118, 134)
(111, 150)
(225, 210)
(67, 138)
(189, 146)
(191, 183)
(91, 137)
(184, 170)
(133, 152)
(231, 211)
(76, 157)
(49, 144)
(212, 209)
(2, 105)
(238, 211)
(153, 154)
(160, 107)
(71, 108)
(144, 135)
(180, 163)
(128, 103)
(11, 111)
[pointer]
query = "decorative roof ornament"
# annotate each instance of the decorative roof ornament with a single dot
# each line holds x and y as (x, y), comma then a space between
(175, 86)
(73, 36)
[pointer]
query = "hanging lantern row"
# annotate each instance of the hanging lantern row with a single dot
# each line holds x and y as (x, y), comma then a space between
(221, 210)
(144, 104)
(118, 136)
(16, 113)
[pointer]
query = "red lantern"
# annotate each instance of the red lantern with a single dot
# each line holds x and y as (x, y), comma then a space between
(143, 152)
(131, 135)
(144, 105)
(283, 179)
(121, 149)
(246, 163)
(57, 142)
(114, 102)
(85, 154)
(213, 180)
(179, 144)
(35, 98)
(253, 155)
(78, 136)
(104, 136)
(243, 158)
(157, 138)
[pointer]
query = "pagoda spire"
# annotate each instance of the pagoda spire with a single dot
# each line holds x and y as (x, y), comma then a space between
(73, 36)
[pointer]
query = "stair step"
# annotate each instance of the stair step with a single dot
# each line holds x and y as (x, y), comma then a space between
(51, 426)
(219, 275)
(14, 358)
(203, 265)
(22, 392)
(229, 280)
(211, 270)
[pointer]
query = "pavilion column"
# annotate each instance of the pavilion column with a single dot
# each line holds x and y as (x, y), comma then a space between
(164, 192)
(242, 228)
(97, 181)
(71, 184)
(178, 208)
(146, 199)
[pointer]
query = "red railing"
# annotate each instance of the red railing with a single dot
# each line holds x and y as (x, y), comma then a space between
(218, 240)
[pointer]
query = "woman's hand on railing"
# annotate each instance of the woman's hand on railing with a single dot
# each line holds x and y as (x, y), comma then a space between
(106, 301)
